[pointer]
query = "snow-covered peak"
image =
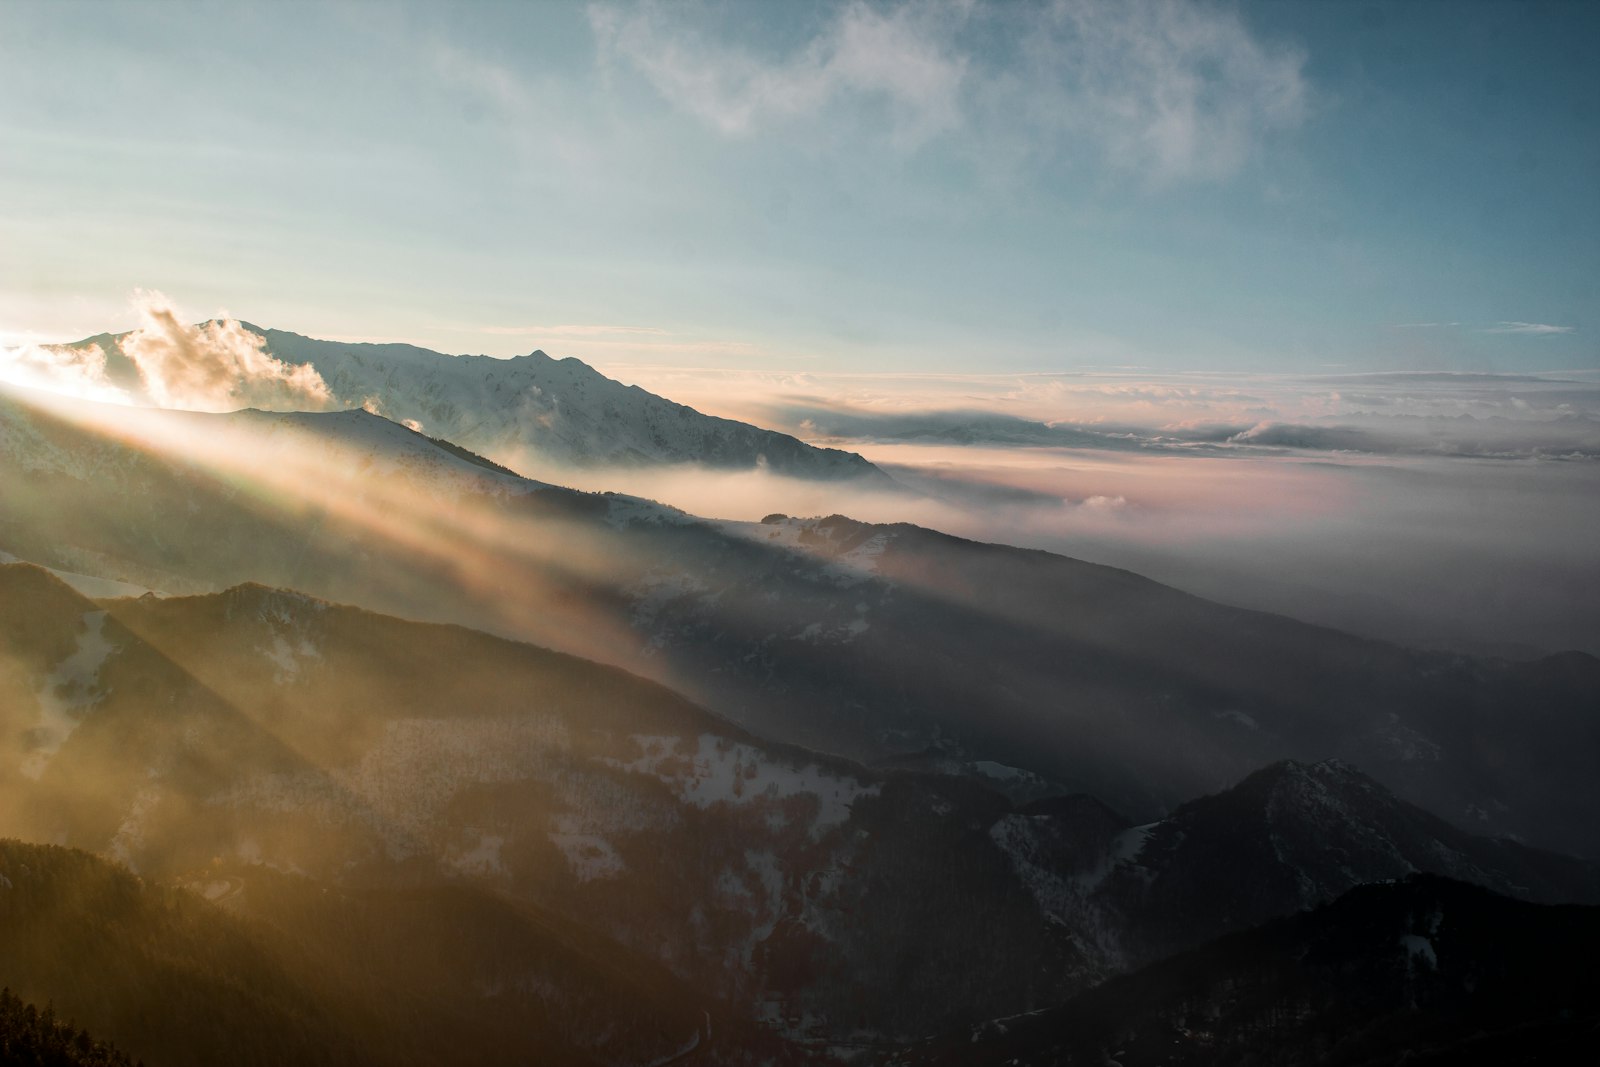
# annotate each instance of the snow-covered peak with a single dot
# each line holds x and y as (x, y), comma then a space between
(534, 410)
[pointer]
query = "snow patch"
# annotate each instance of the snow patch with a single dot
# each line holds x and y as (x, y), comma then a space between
(484, 858)
(287, 658)
(817, 633)
(1001, 771)
(1419, 948)
(714, 770)
(588, 854)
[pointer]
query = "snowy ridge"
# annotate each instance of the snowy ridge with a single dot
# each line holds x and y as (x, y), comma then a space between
(545, 410)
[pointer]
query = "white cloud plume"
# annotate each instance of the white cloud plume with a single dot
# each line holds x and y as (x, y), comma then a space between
(215, 366)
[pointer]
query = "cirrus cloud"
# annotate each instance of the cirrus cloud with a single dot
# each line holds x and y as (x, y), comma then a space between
(1535, 328)
(1165, 89)
(898, 55)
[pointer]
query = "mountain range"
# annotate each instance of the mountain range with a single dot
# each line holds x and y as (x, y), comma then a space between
(327, 739)
(529, 412)
(267, 749)
(867, 641)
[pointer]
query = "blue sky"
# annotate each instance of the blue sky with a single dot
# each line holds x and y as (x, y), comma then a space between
(937, 187)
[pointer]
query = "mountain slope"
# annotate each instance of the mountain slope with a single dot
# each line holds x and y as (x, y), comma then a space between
(156, 970)
(130, 755)
(338, 977)
(535, 411)
(442, 779)
(802, 890)
(796, 886)
(1290, 836)
(868, 641)
(107, 744)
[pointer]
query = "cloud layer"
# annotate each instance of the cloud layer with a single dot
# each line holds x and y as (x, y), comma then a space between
(1434, 509)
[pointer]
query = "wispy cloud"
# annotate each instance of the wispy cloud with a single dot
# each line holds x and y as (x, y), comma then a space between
(898, 55)
(1533, 328)
(1166, 89)
(579, 329)
(1536, 328)
(745, 348)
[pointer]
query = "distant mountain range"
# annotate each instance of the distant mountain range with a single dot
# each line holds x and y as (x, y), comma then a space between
(550, 412)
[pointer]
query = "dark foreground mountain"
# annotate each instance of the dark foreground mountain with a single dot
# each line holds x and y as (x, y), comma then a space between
(325, 976)
(450, 801)
(156, 970)
(534, 411)
(33, 1038)
(1426, 971)
(872, 642)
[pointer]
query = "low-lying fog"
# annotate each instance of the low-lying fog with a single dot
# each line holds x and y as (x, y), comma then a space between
(1442, 510)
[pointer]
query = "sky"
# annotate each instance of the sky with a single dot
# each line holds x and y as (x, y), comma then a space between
(1293, 305)
(942, 187)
